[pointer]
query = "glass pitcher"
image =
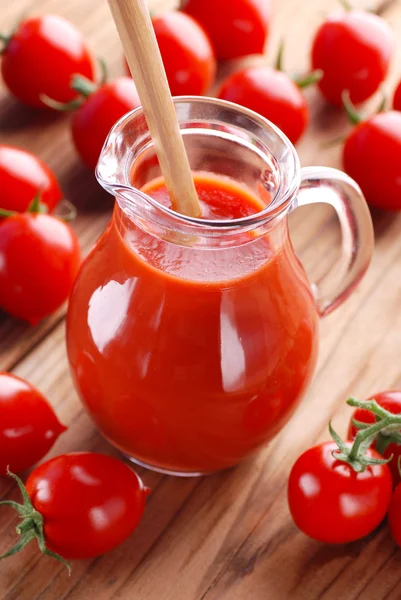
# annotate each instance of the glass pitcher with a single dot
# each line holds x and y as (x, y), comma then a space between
(191, 341)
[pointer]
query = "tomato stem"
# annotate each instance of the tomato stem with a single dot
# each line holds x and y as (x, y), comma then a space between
(31, 526)
(353, 115)
(383, 104)
(365, 437)
(387, 424)
(346, 4)
(65, 211)
(36, 206)
(388, 434)
(304, 81)
(83, 86)
(7, 213)
(62, 106)
(279, 59)
(103, 71)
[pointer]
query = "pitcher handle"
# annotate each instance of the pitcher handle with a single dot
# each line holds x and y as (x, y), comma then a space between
(324, 184)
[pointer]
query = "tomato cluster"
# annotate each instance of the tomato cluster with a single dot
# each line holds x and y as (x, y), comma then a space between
(340, 492)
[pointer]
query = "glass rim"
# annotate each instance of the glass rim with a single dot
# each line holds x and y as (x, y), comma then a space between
(280, 203)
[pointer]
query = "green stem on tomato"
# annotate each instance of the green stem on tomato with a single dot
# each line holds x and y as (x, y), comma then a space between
(31, 526)
(353, 115)
(36, 206)
(103, 71)
(65, 210)
(389, 434)
(279, 59)
(383, 104)
(62, 106)
(7, 213)
(373, 407)
(355, 456)
(84, 88)
(304, 81)
(346, 4)
(365, 437)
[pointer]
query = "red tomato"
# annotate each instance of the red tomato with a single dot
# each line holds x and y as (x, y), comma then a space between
(354, 49)
(332, 503)
(187, 53)
(28, 425)
(41, 57)
(270, 93)
(397, 98)
(391, 401)
(394, 515)
(39, 259)
(89, 502)
(236, 29)
(22, 176)
(372, 156)
(92, 122)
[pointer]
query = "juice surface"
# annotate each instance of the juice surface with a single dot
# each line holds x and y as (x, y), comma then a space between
(191, 374)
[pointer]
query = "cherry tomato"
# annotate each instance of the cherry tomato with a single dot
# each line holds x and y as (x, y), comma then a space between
(354, 49)
(22, 177)
(372, 156)
(41, 57)
(92, 122)
(270, 93)
(28, 425)
(397, 98)
(39, 259)
(332, 503)
(187, 53)
(394, 515)
(236, 29)
(89, 503)
(391, 401)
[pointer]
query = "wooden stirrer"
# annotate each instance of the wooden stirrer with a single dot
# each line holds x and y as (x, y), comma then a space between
(135, 29)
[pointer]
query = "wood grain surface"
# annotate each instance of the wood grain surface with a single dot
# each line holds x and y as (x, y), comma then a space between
(228, 536)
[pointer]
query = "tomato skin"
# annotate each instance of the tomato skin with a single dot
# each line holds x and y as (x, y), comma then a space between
(22, 176)
(187, 53)
(270, 93)
(39, 259)
(354, 49)
(90, 503)
(391, 401)
(239, 31)
(28, 424)
(42, 56)
(372, 156)
(332, 503)
(92, 122)
(397, 98)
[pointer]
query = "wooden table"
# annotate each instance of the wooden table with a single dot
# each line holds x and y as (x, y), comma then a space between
(227, 536)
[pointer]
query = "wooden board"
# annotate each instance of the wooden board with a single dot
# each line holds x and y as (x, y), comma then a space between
(227, 536)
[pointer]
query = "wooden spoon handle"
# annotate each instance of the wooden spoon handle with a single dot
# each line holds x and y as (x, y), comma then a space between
(135, 28)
